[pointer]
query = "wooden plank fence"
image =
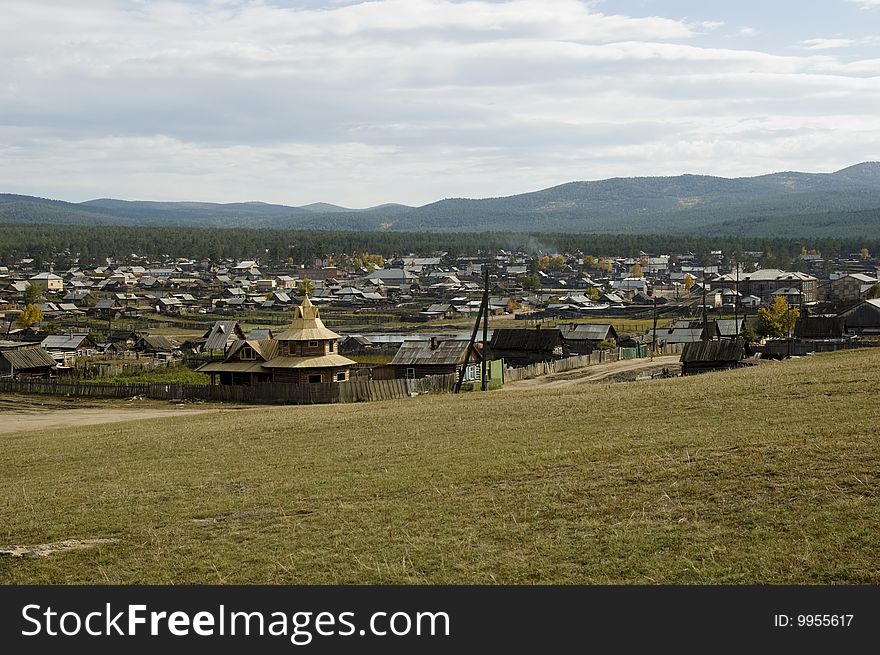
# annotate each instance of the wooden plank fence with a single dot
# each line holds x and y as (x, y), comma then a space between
(596, 357)
(269, 393)
(560, 365)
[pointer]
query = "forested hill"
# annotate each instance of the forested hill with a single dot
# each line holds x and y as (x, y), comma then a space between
(844, 203)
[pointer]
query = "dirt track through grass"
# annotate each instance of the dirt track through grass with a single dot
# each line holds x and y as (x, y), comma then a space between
(594, 373)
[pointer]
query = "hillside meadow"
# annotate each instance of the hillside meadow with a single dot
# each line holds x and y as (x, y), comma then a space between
(761, 475)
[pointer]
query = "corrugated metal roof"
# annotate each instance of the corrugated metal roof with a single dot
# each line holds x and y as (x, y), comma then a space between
(684, 335)
(588, 331)
(64, 341)
(221, 333)
(448, 352)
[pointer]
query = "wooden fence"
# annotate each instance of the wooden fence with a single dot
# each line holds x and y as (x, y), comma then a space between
(269, 393)
(560, 365)
(596, 357)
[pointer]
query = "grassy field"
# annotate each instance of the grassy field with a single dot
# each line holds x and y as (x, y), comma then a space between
(762, 475)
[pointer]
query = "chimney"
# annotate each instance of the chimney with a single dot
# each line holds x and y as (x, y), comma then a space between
(434, 343)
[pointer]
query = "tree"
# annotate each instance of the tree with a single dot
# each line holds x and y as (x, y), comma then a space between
(865, 253)
(873, 292)
(33, 294)
(636, 271)
(29, 315)
(777, 320)
(306, 287)
(747, 334)
(529, 281)
(593, 293)
(547, 263)
(688, 281)
(590, 262)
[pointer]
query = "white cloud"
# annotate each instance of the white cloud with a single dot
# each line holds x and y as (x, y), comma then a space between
(407, 101)
(826, 44)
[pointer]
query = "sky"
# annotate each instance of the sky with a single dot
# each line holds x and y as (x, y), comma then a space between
(413, 101)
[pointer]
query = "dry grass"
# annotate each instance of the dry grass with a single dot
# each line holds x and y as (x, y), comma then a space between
(763, 475)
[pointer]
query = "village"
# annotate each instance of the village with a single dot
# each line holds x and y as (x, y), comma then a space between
(366, 319)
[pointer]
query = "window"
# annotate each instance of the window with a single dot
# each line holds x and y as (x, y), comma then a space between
(331, 346)
(410, 373)
(247, 353)
(282, 348)
(314, 344)
(340, 377)
(315, 379)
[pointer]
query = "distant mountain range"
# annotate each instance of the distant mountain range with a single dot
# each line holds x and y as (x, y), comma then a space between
(844, 203)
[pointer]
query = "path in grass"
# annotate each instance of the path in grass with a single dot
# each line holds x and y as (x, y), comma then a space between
(594, 373)
(23, 414)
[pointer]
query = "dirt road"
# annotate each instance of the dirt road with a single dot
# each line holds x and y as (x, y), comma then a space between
(22, 414)
(595, 373)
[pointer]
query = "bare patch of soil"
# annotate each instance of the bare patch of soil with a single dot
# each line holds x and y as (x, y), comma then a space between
(25, 413)
(45, 550)
(610, 371)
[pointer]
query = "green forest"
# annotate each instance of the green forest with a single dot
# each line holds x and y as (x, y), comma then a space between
(90, 245)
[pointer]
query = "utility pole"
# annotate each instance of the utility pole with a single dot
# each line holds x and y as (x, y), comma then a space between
(654, 339)
(485, 353)
(736, 303)
(705, 312)
(483, 314)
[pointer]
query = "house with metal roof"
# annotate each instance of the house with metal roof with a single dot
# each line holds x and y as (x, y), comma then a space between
(418, 359)
(584, 338)
(49, 282)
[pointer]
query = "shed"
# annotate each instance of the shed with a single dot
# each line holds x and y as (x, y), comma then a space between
(32, 362)
(703, 356)
(523, 346)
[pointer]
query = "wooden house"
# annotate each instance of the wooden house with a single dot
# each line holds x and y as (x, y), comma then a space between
(221, 336)
(523, 346)
(584, 338)
(418, 359)
(27, 363)
(305, 353)
(864, 318)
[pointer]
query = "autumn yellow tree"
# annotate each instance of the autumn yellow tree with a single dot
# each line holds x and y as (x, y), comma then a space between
(30, 315)
(688, 281)
(636, 271)
(777, 320)
(865, 253)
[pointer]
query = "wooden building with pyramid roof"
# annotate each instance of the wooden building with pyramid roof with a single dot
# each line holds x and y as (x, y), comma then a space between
(306, 352)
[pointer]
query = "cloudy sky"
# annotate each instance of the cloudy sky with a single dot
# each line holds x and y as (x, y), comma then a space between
(361, 103)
